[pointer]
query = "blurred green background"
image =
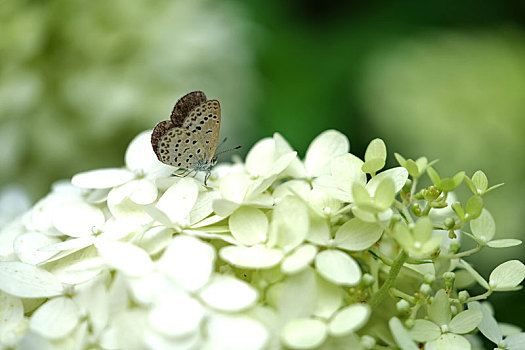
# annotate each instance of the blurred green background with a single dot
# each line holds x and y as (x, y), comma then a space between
(443, 79)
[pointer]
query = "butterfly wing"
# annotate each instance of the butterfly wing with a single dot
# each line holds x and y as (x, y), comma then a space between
(191, 135)
(185, 105)
(205, 122)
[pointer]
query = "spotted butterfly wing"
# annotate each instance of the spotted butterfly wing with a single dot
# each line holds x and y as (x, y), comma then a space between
(189, 139)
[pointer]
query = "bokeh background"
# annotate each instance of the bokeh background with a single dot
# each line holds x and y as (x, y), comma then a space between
(444, 79)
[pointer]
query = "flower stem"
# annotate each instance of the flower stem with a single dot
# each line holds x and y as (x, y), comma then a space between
(378, 297)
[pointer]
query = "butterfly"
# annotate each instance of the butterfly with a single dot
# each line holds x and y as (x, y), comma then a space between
(189, 139)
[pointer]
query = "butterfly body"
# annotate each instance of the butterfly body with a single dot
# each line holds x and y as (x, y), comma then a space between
(189, 139)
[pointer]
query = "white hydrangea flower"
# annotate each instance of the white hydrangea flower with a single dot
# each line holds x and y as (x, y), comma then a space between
(276, 253)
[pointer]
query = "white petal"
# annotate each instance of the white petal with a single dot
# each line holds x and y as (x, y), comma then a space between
(346, 170)
(290, 298)
(399, 175)
(299, 259)
(338, 267)
(125, 257)
(224, 207)
(323, 149)
(233, 187)
(178, 200)
(102, 178)
(188, 261)
(319, 232)
(290, 223)
(357, 235)
(234, 332)
(515, 341)
(451, 341)
(488, 325)
(465, 321)
(28, 281)
(248, 225)
(77, 267)
(259, 256)
(507, 275)
(27, 247)
(11, 311)
(155, 239)
(55, 319)
(176, 314)
(121, 206)
(349, 319)
(140, 155)
(77, 219)
(304, 333)
(261, 157)
(329, 298)
(400, 334)
(228, 294)
(144, 191)
(203, 206)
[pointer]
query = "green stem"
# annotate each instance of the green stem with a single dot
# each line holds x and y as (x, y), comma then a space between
(378, 297)
(466, 252)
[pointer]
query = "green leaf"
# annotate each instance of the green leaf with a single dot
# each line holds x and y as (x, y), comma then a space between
(400, 334)
(400, 159)
(465, 321)
(412, 168)
(484, 226)
(458, 178)
(373, 165)
(434, 176)
(471, 185)
(474, 206)
(492, 188)
(385, 193)
(376, 150)
(439, 310)
(504, 243)
(507, 275)
(361, 195)
(450, 184)
(480, 181)
(458, 209)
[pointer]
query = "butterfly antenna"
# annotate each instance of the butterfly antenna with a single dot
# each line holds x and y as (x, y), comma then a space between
(228, 150)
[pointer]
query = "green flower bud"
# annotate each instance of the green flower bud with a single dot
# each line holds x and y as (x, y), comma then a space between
(420, 195)
(425, 289)
(453, 310)
(463, 296)
(449, 223)
(403, 306)
(429, 278)
(416, 209)
(449, 278)
(367, 342)
(407, 186)
(409, 323)
(367, 280)
(431, 193)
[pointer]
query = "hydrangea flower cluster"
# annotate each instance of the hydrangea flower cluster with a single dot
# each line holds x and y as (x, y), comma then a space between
(325, 252)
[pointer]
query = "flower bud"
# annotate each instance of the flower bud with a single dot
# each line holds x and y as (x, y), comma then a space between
(454, 247)
(407, 186)
(425, 289)
(449, 278)
(449, 223)
(367, 280)
(403, 306)
(463, 296)
(431, 193)
(367, 342)
(416, 209)
(429, 278)
(409, 323)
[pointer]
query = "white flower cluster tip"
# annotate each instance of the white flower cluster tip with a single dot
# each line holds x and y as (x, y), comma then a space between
(276, 253)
